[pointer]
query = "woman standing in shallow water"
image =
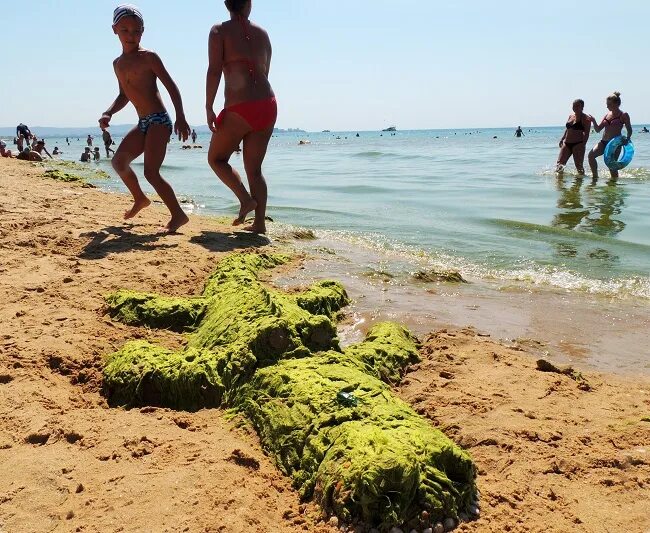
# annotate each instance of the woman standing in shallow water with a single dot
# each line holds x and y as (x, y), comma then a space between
(241, 51)
(574, 140)
(612, 123)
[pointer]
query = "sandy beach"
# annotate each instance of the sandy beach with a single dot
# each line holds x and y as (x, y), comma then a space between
(555, 451)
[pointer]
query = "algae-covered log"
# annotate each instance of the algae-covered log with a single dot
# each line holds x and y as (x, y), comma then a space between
(325, 414)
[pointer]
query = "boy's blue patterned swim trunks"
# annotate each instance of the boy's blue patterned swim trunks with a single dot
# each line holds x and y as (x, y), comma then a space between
(155, 118)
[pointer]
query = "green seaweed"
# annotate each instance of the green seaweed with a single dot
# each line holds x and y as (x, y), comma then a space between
(138, 309)
(243, 325)
(326, 415)
(59, 175)
(374, 459)
(432, 276)
(101, 174)
(386, 352)
(546, 366)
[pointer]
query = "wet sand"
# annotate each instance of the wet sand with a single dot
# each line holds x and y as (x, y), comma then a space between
(551, 455)
(589, 331)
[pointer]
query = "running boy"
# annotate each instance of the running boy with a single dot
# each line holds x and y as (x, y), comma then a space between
(137, 70)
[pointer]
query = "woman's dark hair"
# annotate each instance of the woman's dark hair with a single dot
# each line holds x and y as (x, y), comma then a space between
(579, 101)
(235, 6)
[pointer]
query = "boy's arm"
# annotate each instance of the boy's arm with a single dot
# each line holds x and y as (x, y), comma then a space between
(181, 127)
(213, 77)
(119, 104)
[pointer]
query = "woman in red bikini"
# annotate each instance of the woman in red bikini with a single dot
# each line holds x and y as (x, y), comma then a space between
(241, 51)
(613, 124)
(574, 140)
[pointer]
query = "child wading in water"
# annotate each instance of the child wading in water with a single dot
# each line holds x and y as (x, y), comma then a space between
(137, 70)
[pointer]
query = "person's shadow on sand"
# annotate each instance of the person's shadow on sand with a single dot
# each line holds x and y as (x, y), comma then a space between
(118, 239)
(227, 242)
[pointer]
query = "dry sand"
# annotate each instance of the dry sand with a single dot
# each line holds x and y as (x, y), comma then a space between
(551, 456)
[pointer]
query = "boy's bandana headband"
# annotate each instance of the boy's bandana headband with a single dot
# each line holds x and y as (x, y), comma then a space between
(126, 10)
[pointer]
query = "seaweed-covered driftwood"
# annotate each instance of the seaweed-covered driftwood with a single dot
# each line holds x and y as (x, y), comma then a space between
(325, 414)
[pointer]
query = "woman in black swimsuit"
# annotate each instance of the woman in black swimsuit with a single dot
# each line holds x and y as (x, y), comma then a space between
(574, 141)
(612, 123)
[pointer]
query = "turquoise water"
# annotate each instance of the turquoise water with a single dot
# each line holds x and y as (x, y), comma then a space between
(491, 208)
(558, 265)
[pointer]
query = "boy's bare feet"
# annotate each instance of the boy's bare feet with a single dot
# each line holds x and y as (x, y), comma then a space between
(176, 222)
(138, 206)
(260, 229)
(245, 208)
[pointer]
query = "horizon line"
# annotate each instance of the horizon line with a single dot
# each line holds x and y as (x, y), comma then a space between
(301, 130)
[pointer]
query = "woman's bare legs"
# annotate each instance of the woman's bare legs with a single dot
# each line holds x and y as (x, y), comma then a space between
(255, 146)
(131, 147)
(562, 158)
(224, 141)
(579, 157)
(155, 150)
(595, 152)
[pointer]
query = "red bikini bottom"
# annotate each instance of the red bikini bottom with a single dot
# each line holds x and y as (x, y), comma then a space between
(260, 114)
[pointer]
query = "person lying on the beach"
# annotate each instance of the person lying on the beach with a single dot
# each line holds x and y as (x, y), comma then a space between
(86, 155)
(137, 70)
(40, 148)
(3, 151)
(29, 155)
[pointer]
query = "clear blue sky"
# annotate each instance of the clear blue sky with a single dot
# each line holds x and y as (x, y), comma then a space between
(344, 65)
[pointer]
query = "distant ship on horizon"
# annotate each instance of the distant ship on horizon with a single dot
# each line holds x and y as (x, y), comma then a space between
(390, 128)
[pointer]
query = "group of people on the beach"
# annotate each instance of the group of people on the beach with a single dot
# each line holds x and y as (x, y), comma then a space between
(29, 146)
(241, 52)
(238, 49)
(92, 154)
(578, 127)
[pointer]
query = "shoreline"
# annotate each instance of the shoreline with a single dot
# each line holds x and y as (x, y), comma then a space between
(551, 456)
(583, 330)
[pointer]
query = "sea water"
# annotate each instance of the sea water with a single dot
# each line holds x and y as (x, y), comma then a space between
(562, 259)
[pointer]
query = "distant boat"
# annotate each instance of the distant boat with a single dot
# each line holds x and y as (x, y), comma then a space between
(326, 131)
(390, 128)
